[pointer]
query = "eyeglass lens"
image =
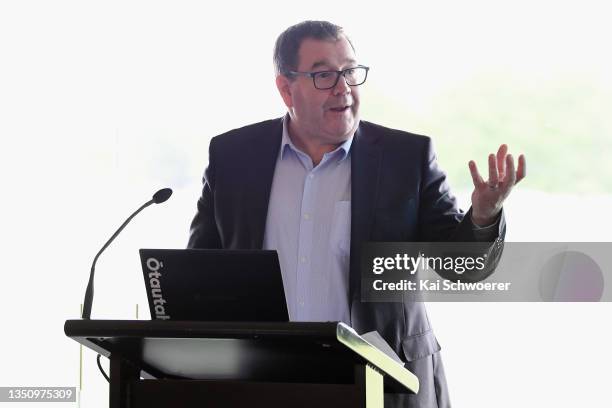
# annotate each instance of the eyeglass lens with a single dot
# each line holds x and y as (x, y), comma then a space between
(354, 76)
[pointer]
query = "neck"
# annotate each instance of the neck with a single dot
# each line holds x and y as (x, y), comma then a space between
(310, 145)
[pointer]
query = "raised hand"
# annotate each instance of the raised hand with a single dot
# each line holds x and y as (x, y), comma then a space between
(488, 196)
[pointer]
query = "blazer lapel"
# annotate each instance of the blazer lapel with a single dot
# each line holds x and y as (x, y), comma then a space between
(366, 159)
(258, 177)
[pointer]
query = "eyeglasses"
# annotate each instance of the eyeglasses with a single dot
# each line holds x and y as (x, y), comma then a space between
(328, 79)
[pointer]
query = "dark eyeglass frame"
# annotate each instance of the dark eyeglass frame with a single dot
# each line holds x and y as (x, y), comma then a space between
(338, 74)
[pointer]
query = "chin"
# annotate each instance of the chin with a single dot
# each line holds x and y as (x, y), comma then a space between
(344, 127)
(341, 135)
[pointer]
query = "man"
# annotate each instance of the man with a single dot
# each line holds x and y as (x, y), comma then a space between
(317, 183)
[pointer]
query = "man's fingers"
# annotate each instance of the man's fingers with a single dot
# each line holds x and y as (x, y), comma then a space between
(476, 178)
(501, 170)
(510, 172)
(501, 160)
(493, 175)
(522, 168)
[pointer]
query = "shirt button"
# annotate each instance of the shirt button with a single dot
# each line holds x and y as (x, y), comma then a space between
(311, 175)
(303, 259)
(306, 216)
(301, 303)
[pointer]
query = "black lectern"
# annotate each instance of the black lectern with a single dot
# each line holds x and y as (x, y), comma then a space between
(157, 364)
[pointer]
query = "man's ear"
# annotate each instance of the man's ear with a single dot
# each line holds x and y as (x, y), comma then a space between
(283, 84)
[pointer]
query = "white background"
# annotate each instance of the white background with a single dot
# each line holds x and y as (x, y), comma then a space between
(102, 103)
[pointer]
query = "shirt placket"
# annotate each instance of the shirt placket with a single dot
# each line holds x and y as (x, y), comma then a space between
(305, 243)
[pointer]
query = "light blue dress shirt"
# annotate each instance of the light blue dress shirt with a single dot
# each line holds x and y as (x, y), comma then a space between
(309, 224)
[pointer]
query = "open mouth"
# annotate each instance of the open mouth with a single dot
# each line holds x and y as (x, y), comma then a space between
(340, 108)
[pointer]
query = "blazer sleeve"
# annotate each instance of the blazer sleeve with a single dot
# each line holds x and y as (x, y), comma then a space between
(204, 232)
(440, 219)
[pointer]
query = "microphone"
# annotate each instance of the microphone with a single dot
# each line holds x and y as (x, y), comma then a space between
(158, 198)
(162, 195)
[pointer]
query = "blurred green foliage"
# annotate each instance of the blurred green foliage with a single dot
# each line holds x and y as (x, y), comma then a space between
(562, 125)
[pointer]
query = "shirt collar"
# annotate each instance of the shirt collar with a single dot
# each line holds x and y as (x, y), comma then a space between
(287, 143)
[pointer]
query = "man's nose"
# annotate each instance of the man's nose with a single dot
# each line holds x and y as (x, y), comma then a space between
(341, 87)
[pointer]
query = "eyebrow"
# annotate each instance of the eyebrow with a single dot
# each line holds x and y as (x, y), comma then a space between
(326, 63)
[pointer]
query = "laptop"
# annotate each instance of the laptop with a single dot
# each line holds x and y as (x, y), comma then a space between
(214, 285)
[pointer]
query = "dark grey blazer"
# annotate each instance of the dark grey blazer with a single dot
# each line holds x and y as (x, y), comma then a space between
(398, 194)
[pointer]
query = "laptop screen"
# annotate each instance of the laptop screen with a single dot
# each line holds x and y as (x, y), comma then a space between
(214, 285)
